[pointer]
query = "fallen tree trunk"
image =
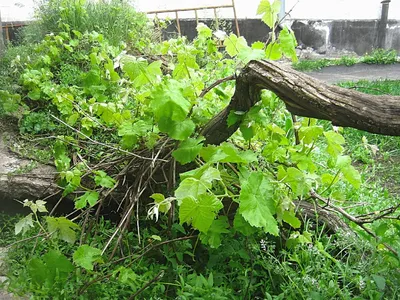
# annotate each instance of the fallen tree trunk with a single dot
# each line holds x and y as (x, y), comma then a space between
(308, 97)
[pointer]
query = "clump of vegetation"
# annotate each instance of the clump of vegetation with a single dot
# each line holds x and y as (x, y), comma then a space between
(379, 56)
(161, 213)
(116, 20)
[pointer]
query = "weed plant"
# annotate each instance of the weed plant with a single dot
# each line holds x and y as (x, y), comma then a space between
(379, 56)
(117, 20)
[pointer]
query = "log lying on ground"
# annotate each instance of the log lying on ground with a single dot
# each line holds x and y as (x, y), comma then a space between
(308, 97)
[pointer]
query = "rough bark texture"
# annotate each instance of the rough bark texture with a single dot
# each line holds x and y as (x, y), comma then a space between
(308, 97)
(18, 181)
(307, 210)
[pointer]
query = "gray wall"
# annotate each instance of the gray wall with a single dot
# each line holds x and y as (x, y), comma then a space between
(360, 36)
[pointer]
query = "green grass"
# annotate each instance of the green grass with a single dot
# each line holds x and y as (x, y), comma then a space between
(379, 56)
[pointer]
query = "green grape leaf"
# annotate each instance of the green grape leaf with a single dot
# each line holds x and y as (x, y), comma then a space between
(335, 142)
(199, 212)
(86, 256)
(234, 45)
(177, 130)
(352, 176)
(133, 67)
(168, 101)
(150, 74)
(310, 134)
(227, 152)
(295, 179)
(38, 205)
(203, 31)
(24, 224)
(57, 264)
(242, 226)
(290, 218)
(62, 228)
(213, 236)
(343, 161)
(103, 180)
(269, 12)
(190, 187)
(273, 51)
(257, 204)
(288, 43)
(258, 45)
(88, 197)
(247, 131)
(188, 150)
(247, 54)
(34, 94)
(38, 271)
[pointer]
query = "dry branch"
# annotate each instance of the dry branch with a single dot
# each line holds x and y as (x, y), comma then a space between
(308, 97)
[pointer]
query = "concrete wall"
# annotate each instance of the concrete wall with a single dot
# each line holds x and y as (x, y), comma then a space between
(302, 9)
(320, 24)
(22, 10)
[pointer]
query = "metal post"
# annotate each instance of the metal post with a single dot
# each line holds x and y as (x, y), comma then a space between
(177, 23)
(197, 17)
(382, 24)
(235, 16)
(282, 12)
(216, 19)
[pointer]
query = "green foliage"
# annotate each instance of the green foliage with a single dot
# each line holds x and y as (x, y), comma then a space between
(222, 217)
(85, 256)
(257, 204)
(116, 20)
(381, 56)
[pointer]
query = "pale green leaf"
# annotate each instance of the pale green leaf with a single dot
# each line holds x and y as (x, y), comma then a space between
(335, 142)
(290, 218)
(87, 198)
(257, 204)
(24, 224)
(288, 43)
(190, 187)
(177, 130)
(234, 45)
(62, 228)
(213, 236)
(310, 134)
(103, 180)
(86, 256)
(203, 31)
(269, 11)
(273, 51)
(343, 161)
(242, 226)
(352, 176)
(188, 150)
(199, 212)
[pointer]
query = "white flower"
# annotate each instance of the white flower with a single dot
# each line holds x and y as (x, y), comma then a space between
(219, 34)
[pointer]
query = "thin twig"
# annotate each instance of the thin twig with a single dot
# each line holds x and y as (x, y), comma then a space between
(216, 83)
(357, 221)
(100, 143)
(25, 240)
(156, 278)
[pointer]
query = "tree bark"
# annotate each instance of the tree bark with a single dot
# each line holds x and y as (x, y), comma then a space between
(308, 97)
